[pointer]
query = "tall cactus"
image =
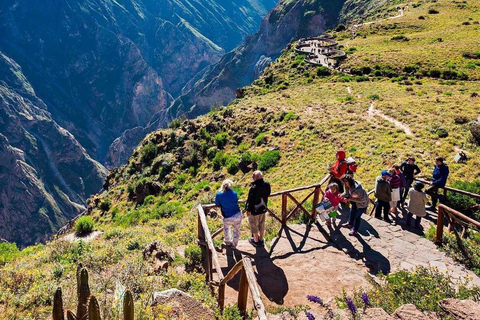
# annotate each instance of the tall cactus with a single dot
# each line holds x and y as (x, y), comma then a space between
(58, 305)
(128, 307)
(83, 291)
(70, 315)
(93, 309)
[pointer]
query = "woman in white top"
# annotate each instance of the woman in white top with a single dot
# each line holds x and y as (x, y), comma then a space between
(416, 206)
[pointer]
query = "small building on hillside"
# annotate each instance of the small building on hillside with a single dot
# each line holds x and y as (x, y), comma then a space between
(322, 50)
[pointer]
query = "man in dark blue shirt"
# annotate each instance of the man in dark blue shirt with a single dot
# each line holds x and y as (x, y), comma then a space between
(410, 170)
(439, 180)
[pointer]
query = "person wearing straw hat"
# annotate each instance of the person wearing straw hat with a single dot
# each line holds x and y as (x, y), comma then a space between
(227, 200)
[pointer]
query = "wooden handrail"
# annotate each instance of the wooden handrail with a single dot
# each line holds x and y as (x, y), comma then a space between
(209, 240)
(465, 193)
(443, 210)
(252, 284)
(279, 193)
(248, 277)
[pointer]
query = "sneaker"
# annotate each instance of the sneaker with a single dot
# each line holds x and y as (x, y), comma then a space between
(261, 243)
(352, 233)
(387, 220)
(347, 225)
(253, 243)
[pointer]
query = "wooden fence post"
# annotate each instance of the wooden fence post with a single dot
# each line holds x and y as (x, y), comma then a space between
(284, 209)
(316, 199)
(243, 293)
(440, 222)
(221, 297)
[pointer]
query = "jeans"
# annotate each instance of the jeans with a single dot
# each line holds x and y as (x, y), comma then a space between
(418, 220)
(234, 222)
(405, 191)
(432, 191)
(378, 210)
(355, 214)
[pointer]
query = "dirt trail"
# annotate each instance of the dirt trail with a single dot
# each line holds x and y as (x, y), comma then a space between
(372, 112)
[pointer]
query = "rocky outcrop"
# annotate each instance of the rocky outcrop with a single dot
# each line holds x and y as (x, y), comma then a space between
(288, 21)
(182, 304)
(81, 80)
(461, 309)
(46, 174)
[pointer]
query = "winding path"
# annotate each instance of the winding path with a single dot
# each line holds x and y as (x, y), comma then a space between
(374, 112)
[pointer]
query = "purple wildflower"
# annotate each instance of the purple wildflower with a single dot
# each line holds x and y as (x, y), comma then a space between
(309, 315)
(314, 299)
(365, 299)
(351, 306)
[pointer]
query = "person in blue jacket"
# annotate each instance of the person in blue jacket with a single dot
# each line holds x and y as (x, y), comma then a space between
(439, 180)
(227, 200)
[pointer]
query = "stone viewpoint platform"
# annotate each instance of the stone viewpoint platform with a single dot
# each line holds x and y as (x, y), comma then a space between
(315, 260)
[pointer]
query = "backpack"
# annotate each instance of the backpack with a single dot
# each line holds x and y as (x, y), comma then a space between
(260, 207)
(351, 165)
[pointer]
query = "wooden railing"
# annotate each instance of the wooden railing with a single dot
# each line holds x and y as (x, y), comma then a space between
(445, 189)
(210, 256)
(453, 218)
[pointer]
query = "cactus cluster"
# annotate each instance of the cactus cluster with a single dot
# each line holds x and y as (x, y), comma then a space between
(87, 306)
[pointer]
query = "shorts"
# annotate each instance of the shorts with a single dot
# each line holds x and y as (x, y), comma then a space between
(257, 223)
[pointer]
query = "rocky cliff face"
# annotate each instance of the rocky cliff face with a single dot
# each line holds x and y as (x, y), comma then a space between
(78, 76)
(288, 21)
(45, 173)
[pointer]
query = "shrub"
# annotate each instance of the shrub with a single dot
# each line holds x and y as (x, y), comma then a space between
(8, 251)
(323, 71)
(84, 225)
(399, 38)
(269, 159)
(340, 27)
(460, 202)
(149, 200)
(461, 119)
(471, 55)
(433, 11)
(475, 130)
(232, 313)
(435, 73)
(169, 209)
(105, 205)
(211, 153)
(442, 133)
(221, 140)
(261, 138)
(115, 233)
(193, 257)
(175, 124)
(374, 97)
(133, 245)
(290, 116)
(148, 153)
(219, 160)
(421, 17)
(232, 164)
(423, 287)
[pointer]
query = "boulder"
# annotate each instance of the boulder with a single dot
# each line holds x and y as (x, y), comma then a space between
(183, 305)
(410, 312)
(376, 314)
(158, 251)
(145, 189)
(461, 309)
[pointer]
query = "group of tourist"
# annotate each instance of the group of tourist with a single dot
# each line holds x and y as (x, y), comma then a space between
(392, 187)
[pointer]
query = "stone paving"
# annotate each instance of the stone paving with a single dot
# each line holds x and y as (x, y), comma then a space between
(308, 260)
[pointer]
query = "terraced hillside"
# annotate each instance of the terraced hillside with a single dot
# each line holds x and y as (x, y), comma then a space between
(290, 122)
